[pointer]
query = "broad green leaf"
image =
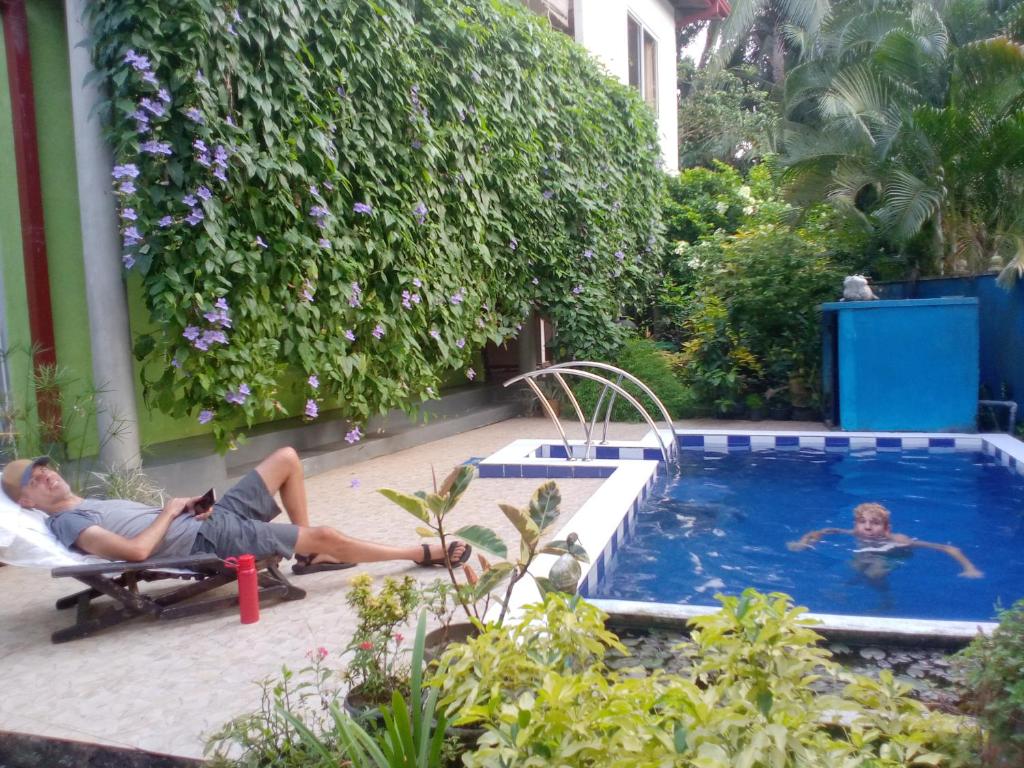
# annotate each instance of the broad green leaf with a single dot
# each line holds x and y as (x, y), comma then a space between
(483, 538)
(410, 504)
(544, 505)
(520, 518)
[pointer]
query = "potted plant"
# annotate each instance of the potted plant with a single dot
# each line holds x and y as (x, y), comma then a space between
(474, 594)
(376, 669)
(755, 406)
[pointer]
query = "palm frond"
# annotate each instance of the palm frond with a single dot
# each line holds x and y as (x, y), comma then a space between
(909, 203)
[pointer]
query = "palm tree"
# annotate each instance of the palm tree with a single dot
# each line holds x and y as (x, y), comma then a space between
(762, 32)
(908, 115)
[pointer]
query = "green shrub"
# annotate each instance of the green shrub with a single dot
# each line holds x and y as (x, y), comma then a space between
(993, 668)
(340, 203)
(546, 697)
(653, 366)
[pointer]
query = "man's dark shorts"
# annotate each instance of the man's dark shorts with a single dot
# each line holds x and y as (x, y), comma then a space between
(240, 523)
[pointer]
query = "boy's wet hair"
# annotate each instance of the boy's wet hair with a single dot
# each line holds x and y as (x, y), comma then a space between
(871, 508)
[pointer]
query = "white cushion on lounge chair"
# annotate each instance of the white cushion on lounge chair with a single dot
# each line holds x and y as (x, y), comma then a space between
(26, 541)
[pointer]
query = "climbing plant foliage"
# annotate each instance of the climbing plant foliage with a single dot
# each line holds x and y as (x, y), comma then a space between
(355, 196)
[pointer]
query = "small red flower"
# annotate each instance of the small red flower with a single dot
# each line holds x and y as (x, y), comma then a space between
(366, 645)
(321, 652)
(399, 637)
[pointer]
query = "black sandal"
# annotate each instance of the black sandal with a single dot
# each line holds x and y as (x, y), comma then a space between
(304, 564)
(440, 561)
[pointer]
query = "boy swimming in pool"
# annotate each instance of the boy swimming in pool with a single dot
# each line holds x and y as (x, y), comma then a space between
(872, 527)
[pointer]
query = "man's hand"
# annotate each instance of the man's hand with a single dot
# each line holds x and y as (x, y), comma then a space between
(177, 506)
(971, 573)
(798, 546)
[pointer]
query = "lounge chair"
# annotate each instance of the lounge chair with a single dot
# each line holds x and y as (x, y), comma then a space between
(26, 541)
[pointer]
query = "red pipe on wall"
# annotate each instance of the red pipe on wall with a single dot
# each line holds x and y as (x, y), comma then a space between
(30, 197)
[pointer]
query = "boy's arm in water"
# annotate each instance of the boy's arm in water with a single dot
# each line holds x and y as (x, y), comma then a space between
(968, 572)
(811, 538)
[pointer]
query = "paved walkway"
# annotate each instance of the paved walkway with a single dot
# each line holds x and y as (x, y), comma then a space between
(167, 686)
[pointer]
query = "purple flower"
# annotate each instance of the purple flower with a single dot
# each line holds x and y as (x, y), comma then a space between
(620, 256)
(191, 333)
(204, 193)
(420, 212)
(547, 194)
(149, 77)
(202, 343)
(313, 381)
(128, 214)
(132, 237)
(195, 216)
(230, 121)
(165, 222)
(416, 144)
(536, 281)
(157, 110)
(138, 62)
(577, 290)
(200, 146)
(127, 260)
(513, 244)
(328, 185)
(415, 298)
(406, 299)
(175, 362)
(221, 304)
(236, 16)
(203, 159)
(378, 331)
(476, 77)
(417, 282)
(363, 208)
(219, 174)
(354, 483)
(314, 190)
(319, 212)
(261, 242)
(457, 297)
(354, 436)
(142, 119)
(156, 147)
(190, 201)
(435, 334)
(205, 417)
(308, 289)
(588, 254)
(323, 242)
(126, 171)
(357, 294)
(460, 343)
(349, 335)
(340, 91)
(311, 409)
(193, 114)
(237, 397)
(126, 188)
(231, 29)
(470, 374)
(220, 156)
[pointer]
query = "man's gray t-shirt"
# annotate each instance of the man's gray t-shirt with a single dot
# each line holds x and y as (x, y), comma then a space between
(127, 519)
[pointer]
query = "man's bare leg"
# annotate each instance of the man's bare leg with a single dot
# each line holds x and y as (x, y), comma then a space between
(335, 546)
(282, 473)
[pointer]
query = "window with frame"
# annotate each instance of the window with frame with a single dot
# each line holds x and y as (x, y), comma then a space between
(643, 62)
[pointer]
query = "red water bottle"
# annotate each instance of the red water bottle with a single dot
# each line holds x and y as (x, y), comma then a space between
(248, 587)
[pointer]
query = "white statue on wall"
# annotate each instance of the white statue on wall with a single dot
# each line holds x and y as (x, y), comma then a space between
(856, 288)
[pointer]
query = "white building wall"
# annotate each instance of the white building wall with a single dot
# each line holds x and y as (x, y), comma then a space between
(600, 27)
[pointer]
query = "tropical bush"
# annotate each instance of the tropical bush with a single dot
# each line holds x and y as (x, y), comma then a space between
(545, 696)
(338, 203)
(993, 673)
(654, 367)
(907, 115)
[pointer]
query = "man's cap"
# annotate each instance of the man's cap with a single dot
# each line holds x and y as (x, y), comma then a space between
(17, 474)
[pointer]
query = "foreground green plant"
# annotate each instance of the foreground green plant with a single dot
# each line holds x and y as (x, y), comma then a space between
(993, 670)
(413, 735)
(532, 523)
(546, 697)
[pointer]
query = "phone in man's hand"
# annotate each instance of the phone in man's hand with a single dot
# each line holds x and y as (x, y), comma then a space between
(204, 503)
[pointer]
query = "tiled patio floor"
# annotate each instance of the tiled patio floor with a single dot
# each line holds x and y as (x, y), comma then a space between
(166, 686)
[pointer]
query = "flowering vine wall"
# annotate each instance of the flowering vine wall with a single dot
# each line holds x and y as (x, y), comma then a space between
(357, 196)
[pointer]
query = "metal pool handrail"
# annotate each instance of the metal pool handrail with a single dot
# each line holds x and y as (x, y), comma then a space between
(611, 402)
(529, 377)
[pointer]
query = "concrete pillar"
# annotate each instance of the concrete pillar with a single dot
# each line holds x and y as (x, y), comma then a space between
(117, 418)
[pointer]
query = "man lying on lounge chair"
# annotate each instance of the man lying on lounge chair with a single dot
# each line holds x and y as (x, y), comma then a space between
(238, 523)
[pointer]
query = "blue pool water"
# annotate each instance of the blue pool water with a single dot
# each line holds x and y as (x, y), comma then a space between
(722, 525)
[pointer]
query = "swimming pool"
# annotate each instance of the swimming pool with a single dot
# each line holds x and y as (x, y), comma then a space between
(606, 523)
(723, 523)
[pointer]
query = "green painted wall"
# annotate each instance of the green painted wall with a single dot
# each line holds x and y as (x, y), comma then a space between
(15, 318)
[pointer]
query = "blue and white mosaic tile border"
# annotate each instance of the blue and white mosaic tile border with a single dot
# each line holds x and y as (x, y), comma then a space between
(630, 469)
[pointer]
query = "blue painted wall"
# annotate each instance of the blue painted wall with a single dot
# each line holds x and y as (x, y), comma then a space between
(1000, 324)
(907, 364)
